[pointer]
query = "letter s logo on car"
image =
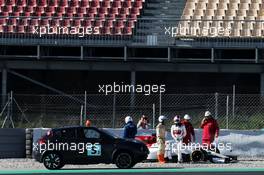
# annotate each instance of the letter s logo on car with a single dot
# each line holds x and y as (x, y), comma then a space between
(94, 149)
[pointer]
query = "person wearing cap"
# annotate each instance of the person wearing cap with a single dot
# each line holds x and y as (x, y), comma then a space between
(88, 123)
(178, 132)
(130, 129)
(143, 123)
(210, 129)
(190, 134)
(161, 134)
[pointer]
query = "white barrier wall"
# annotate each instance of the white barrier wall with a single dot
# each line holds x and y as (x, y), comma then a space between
(243, 143)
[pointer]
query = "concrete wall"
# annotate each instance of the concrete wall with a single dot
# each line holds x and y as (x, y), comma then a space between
(12, 143)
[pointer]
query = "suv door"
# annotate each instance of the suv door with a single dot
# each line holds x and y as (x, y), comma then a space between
(98, 146)
(66, 143)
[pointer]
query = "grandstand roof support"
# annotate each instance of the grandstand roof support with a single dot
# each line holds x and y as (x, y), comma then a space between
(125, 53)
(212, 55)
(4, 85)
(256, 55)
(133, 83)
(169, 54)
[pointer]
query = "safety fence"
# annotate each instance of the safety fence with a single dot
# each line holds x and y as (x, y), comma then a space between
(233, 111)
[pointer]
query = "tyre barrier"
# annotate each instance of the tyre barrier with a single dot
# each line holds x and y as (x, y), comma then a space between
(29, 142)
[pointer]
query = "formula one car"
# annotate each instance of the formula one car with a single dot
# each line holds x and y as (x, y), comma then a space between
(194, 154)
(87, 145)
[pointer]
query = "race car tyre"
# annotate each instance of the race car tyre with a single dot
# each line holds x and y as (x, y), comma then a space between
(197, 155)
(53, 161)
(124, 160)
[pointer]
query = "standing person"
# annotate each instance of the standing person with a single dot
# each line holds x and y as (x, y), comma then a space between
(210, 129)
(190, 134)
(143, 123)
(161, 134)
(178, 132)
(88, 123)
(130, 129)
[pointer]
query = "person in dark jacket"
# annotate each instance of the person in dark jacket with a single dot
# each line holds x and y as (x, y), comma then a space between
(130, 129)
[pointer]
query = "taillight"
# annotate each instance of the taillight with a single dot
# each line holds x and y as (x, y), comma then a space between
(49, 133)
(42, 141)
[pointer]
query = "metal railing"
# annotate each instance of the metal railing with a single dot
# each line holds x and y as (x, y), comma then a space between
(232, 111)
(156, 32)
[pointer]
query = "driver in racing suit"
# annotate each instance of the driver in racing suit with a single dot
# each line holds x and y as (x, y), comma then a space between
(178, 132)
(161, 134)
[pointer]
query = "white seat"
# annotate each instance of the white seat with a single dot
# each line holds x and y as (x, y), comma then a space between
(257, 33)
(201, 6)
(220, 12)
(188, 12)
(242, 12)
(255, 6)
(246, 32)
(233, 6)
(236, 33)
(244, 6)
(222, 6)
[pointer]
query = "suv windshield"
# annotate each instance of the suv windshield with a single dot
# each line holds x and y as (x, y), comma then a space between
(109, 133)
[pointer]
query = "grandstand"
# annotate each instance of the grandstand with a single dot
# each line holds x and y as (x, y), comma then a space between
(87, 42)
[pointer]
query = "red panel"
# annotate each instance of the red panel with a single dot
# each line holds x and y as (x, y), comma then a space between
(19, 2)
(103, 10)
(29, 9)
(127, 31)
(20, 29)
(9, 29)
(2, 21)
(10, 2)
(105, 31)
(74, 3)
(52, 3)
(42, 3)
(113, 10)
(109, 23)
(106, 3)
(95, 3)
(135, 10)
(87, 23)
(63, 3)
(127, 4)
(32, 3)
(39, 9)
(116, 4)
(60, 9)
(85, 3)
(7, 8)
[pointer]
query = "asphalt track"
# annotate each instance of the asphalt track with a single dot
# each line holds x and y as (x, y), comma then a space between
(152, 171)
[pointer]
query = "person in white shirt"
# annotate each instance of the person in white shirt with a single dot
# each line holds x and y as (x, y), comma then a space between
(178, 132)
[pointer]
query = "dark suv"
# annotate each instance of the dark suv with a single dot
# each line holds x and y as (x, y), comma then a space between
(87, 145)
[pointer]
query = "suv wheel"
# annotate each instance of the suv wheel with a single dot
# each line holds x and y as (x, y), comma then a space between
(124, 160)
(52, 161)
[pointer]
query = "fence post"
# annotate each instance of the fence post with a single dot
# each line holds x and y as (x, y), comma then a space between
(160, 104)
(227, 111)
(234, 101)
(153, 116)
(216, 105)
(85, 105)
(81, 116)
(114, 110)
